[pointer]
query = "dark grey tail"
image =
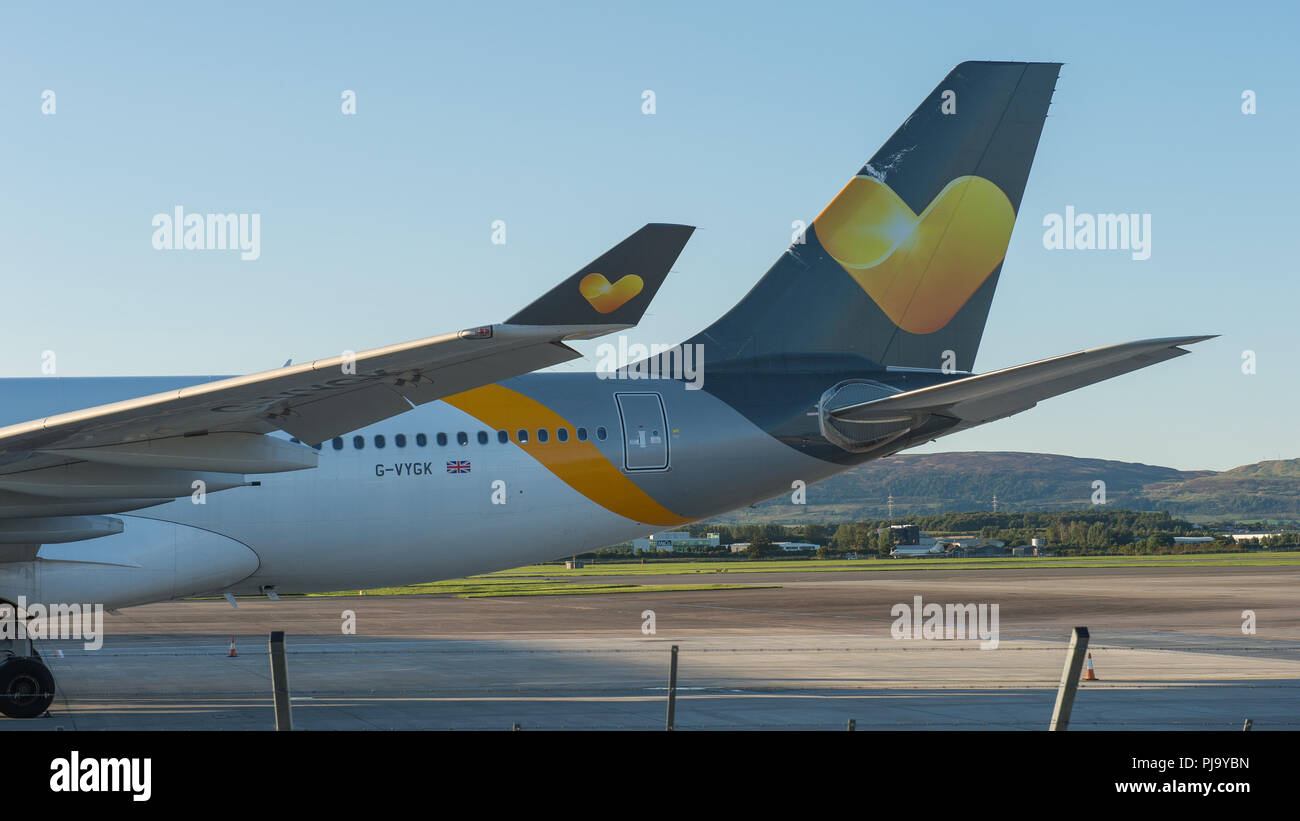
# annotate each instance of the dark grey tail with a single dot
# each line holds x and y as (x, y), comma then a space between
(900, 268)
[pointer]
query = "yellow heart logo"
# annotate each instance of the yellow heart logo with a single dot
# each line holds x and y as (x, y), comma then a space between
(608, 298)
(922, 269)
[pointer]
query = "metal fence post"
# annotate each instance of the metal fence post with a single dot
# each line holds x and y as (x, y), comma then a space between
(280, 682)
(672, 690)
(853, 724)
(1069, 679)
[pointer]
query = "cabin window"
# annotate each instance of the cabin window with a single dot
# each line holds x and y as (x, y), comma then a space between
(582, 434)
(421, 439)
(379, 440)
(358, 442)
(400, 440)
(337, 442)
(462, 438)
(601, 434)
(542, 435)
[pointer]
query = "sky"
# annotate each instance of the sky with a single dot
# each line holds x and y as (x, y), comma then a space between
(377, 227)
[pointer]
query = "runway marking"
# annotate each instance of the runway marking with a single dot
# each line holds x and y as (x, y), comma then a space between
(779, 612)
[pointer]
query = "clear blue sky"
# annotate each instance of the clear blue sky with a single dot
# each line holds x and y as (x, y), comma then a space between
(376, 227)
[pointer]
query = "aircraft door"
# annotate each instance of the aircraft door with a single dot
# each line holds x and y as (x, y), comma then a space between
(645, 431)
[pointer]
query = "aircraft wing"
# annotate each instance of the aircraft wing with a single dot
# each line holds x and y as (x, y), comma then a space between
(317, 400)
(986, 397)
(328, 397)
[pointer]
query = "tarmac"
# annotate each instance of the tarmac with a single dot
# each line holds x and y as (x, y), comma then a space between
(1167, 643)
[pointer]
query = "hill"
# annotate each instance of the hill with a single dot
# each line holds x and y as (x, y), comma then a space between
(932, 483)
(1265, 490)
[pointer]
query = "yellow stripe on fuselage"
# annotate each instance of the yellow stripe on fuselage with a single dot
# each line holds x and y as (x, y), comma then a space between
(580, 465)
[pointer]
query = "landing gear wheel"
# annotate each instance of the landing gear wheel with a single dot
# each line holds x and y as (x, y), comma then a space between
(26, 687)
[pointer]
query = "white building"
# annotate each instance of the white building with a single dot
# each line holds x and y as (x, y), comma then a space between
(788, 547)
(795, 547)
(674, 540)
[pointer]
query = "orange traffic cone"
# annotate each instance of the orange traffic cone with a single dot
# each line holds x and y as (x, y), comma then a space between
(232, 654)
(1090, 674)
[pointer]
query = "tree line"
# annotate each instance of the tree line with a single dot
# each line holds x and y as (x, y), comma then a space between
(1065, 532)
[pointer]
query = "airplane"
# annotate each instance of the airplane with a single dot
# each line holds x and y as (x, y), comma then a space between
(450, 456)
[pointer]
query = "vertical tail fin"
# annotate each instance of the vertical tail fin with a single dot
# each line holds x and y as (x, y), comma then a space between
(900, 268)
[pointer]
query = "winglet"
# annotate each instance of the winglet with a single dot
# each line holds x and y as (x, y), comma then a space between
(616, 287)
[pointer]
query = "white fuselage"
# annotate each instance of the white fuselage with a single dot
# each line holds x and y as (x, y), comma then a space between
(374, 516)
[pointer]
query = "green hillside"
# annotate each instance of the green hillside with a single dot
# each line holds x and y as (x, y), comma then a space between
(923, 484)
(1265, 490)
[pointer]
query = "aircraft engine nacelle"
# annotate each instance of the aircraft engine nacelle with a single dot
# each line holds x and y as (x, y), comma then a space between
(149, 561)
(857, 436)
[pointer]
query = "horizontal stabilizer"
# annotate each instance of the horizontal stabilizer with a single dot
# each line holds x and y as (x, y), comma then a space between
(984, 398)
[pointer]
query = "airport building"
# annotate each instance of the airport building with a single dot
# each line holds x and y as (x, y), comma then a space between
(797, 547)
(674, 540)
(916, 544)
(988, 547)
(788, 547)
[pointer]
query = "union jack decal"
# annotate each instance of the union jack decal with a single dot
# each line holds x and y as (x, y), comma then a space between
(458, 466)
